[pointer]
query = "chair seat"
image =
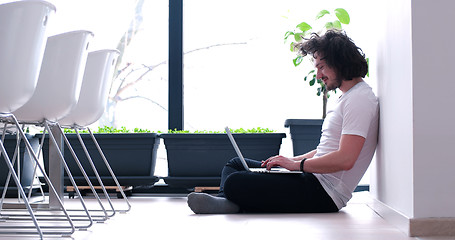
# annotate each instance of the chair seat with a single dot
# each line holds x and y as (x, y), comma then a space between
(95, 89)
(23, 26)
(60, 78)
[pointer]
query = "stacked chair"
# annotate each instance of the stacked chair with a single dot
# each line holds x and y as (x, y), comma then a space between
(90, 107)
(57, 93)
(49, 82)
(22, 42)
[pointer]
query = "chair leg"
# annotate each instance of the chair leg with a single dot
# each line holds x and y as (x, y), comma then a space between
(55, 229)
(8, 177)
(21, 191)
(67, 170)
(95, 171)
(81, 168)
(16, 156)
(108, 166)
(35, 176)
(49, 183)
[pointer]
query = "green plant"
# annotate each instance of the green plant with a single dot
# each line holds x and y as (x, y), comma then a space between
(252, 130)
(239, 130)
(107, 129)
(324, 21)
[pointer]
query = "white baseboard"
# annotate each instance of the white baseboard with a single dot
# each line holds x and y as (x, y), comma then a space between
(414, 227)
(390, 215)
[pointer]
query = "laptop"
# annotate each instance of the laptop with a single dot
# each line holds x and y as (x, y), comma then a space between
(260, 170)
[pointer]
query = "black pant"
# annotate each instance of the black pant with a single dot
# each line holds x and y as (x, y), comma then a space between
(273, 193)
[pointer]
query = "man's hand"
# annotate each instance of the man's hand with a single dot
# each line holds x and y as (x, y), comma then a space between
(341, 160)
(280, 161)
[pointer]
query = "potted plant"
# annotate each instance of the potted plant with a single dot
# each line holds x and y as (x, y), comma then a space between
(131, 155)
(305, 133)
(197, 158)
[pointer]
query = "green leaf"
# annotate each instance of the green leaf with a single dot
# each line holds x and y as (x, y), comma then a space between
(329, 25)
(303, 26)
(336, 24)
(321, 14)
(287, 34)
(298, 36)
(297, 60)
(140, 130)
(312, 82)
(292, 46)
(342, 15)
(368, 63)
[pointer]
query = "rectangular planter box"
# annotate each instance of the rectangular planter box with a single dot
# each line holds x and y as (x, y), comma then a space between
(132, 157)
(198, 159)
(26, 165)
(305, 134)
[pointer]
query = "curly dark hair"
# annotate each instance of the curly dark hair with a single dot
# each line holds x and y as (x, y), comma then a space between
(338, 51)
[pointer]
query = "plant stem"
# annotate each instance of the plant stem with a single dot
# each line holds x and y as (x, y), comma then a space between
(324, 104)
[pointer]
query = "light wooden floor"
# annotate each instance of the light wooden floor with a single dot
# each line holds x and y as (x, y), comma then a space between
(168, 217)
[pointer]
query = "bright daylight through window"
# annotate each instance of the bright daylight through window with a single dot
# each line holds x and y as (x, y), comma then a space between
(237, 71)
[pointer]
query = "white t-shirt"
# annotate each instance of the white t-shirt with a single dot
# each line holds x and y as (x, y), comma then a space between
(356, 113)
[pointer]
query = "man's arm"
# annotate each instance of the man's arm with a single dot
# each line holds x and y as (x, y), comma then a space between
(306, 155)
(342, 159)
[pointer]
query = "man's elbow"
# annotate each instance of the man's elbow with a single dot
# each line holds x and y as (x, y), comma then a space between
(348, 164)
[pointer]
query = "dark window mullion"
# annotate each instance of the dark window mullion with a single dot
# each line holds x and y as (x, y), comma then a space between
(175, 64)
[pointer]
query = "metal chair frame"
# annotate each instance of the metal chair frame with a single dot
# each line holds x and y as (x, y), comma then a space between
(106, 163)
(76, 217)
(7, 119)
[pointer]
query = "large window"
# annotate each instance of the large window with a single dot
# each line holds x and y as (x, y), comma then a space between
(139, 30)
(237, 69)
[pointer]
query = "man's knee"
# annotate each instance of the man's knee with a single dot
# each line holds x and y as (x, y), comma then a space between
(233, 183)
(235, 163)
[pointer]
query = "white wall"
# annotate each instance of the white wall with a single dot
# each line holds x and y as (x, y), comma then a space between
(434, 115)
(393, 178)
(415, 164)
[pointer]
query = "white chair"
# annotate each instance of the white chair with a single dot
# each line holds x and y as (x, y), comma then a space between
(60, 78)
(23, 38)
(23, 26)
(95, 89)
(57, 93)
(92, 102)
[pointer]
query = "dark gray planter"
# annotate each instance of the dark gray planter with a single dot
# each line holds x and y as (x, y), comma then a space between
(26, 165)
(197, 159)
(132, 157)
(305, 134)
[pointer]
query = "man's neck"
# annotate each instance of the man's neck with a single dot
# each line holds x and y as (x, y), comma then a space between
(346, 85)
